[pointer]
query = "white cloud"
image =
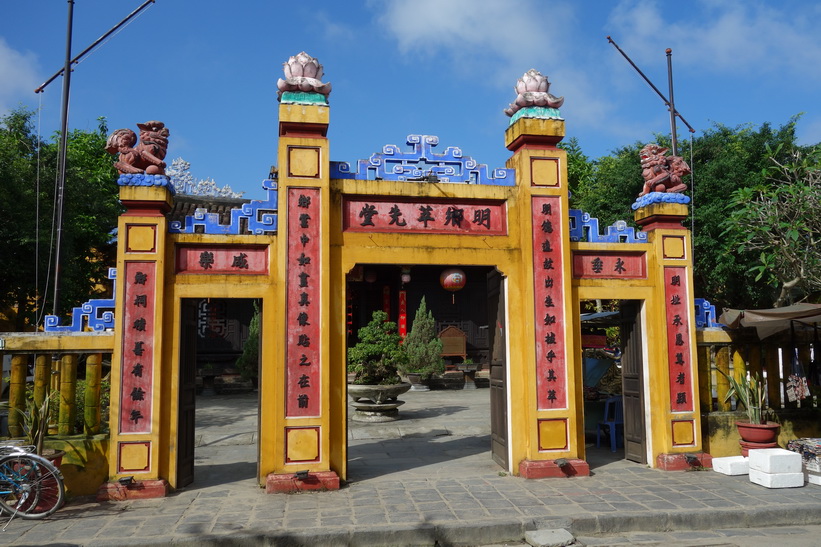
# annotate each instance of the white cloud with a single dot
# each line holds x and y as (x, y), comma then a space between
(18, 76)
(478, 32)
(731, 37)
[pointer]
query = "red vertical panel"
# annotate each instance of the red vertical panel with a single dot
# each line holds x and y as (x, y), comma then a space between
(548, 274)
(678, 339)
(303, 303)
(402, 323)
(137, 352)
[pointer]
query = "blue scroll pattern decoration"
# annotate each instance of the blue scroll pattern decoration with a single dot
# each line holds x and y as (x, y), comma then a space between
(659, 197)
(585, 228)
(258, 218)
(422, 164)
(706, 314)
(141, 179)
(96, 314)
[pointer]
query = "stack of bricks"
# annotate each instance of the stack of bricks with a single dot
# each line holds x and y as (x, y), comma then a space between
(776, 468)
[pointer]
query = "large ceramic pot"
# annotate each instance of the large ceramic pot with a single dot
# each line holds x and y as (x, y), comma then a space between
(376, 403)
(758, 433)
(756, 436)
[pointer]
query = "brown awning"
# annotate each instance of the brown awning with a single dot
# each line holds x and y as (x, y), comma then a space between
(774, 320)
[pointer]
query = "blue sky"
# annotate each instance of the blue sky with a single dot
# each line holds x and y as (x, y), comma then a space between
(208, 69)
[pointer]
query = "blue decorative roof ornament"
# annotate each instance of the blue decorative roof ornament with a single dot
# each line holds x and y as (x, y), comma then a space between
(141, 179)
(95, 315)
(255, 217)
(659, 197)
(421, 164)
(533, 99)
(706, 314)
(583, 227)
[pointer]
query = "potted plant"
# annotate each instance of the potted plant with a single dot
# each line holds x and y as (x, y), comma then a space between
(36, 420)
(756, 432)
(374, 362)
(423, 350)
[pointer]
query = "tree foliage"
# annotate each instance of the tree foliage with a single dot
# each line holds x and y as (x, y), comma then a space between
(376, 358)
(422, 346)
(724, 159)
(90, 217)
(779, 220)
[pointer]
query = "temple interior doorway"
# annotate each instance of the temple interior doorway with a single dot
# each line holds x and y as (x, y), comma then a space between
(452, 423)
(613, 376)
(218, 395)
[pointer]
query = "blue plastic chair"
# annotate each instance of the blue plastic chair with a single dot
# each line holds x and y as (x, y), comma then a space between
(613, 419)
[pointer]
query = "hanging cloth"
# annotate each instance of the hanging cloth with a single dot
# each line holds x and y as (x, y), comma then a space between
(797, 387)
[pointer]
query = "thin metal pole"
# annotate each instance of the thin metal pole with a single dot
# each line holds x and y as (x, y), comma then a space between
(646, 79)
(61, 167)
(674, 137)
(92, 46)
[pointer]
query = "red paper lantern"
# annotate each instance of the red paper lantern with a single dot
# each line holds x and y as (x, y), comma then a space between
(453, 279)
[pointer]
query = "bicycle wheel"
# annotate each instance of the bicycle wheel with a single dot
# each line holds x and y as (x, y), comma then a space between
(30, 486)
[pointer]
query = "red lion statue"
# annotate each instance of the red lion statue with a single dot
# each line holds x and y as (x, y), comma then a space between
(662, 173)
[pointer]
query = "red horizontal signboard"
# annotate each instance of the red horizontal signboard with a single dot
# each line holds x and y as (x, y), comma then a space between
(215, 259)
(480, 217)
(609, 265)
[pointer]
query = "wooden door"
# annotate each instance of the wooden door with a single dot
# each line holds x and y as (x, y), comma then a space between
(497, 338)
(632, 373)
(187, 393)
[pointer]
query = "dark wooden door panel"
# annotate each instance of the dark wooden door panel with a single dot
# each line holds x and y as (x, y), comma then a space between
(498, 368)
(187, 394)
(632, 371)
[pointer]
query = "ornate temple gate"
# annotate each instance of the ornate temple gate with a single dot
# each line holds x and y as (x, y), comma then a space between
(294, 251)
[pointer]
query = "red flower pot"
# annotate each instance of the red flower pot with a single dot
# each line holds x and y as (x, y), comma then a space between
(758, 433)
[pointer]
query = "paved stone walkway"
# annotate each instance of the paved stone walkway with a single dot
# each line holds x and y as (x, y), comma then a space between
(416, 482)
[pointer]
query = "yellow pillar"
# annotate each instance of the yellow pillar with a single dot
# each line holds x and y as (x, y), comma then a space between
(91, 417)
(17, 393)
(42, 377)
(300, 422)
(68, 390)
(545, 381)
(138, 371)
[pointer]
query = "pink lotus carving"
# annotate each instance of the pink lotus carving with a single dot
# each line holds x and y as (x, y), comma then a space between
(532, 90)
(303, 73)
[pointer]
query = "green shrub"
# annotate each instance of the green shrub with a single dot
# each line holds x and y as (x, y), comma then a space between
(378, 354)
(422, 346)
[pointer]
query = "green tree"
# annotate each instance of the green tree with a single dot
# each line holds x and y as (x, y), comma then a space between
(724, 160)
(422, 347)
(248, 362)
(90, 217)
(780, 221)
(376, 358)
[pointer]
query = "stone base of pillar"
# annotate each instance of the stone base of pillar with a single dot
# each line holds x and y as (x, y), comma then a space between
(137, 490)
(543, 469)
(290, 483)
(683, 462)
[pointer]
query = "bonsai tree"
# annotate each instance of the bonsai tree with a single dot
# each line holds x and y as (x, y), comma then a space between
(248, 362)
(375, 359)
(749, 391)
(422, 347)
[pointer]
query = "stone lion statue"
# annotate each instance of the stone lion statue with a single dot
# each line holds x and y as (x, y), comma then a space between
(147, 156)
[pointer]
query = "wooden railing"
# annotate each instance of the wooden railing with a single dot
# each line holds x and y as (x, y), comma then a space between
(55, 357)
(739, 352)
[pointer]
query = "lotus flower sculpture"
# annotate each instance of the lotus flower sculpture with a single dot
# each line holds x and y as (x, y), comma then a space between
(532, 90)
(302, 73)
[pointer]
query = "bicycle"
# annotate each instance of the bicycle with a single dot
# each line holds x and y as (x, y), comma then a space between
(30, 486)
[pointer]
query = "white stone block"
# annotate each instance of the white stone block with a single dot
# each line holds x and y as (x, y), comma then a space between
(731, 465)
(775, 460)
(776, 480)
(812, 477)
